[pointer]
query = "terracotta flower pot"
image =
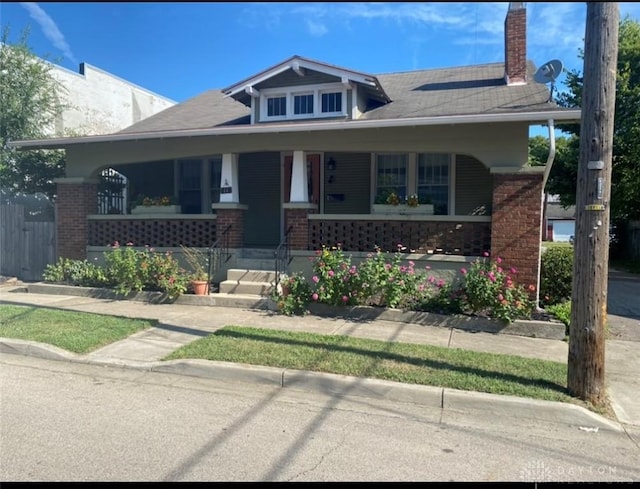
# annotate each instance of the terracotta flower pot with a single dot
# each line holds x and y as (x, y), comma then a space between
(200, 287)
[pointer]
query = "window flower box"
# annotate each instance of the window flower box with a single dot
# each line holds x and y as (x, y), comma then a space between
(156, 209)
(402, 209)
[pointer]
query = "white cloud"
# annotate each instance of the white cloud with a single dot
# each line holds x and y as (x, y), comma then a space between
(49, 28)
(316, 29)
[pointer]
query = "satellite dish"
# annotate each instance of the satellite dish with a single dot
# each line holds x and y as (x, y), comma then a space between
(548, 73)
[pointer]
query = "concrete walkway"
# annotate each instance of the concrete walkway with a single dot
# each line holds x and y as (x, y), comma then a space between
(181, 324)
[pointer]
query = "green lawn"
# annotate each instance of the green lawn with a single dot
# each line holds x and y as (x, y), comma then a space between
(401, 362)
(81, 332)
(78, 332)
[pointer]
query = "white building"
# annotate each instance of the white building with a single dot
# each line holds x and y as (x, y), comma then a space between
(98, 102)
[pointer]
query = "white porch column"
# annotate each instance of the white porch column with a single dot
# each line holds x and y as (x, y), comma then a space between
(299, 185)
(229, 184)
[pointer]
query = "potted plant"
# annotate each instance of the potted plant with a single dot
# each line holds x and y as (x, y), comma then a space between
(198, 261)
(391, 203)
(156, 205)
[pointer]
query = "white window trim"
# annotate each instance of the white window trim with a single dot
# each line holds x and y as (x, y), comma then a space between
(412, 175)
(264, 106)
(290, 92)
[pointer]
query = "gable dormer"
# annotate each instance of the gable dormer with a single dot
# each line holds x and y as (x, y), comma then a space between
(303, 89)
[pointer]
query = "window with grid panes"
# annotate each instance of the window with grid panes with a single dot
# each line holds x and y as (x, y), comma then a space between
(391, 176)
(190, 192)
(433, 180)
(331, 102)
(303, 104)
(277, 106)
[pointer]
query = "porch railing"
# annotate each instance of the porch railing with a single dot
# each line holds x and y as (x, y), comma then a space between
(283, 256)
(467, 236)
(218, 251)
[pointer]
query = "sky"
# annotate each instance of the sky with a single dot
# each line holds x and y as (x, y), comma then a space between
(181, 49)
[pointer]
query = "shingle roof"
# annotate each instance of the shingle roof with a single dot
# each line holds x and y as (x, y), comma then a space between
(467, 90)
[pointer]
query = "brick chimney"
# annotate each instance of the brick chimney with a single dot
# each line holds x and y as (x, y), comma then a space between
(515, 44)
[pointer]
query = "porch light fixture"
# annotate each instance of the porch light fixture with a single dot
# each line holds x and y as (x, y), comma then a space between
(331, 164)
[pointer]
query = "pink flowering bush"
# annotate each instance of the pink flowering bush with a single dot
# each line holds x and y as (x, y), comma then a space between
(126, 269)
(386, 282)
(293, 294)
(335, 279)
(489, 288)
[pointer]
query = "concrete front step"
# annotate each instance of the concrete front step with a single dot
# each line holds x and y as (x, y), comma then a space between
(245, 287)
(246, 281)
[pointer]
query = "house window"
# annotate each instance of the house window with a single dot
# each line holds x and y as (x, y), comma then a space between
(303, 104)
(391, 176)
(331, 102)
(190, 193)
(433, 180)
(216, 174)
(427, 174)
(277, 106)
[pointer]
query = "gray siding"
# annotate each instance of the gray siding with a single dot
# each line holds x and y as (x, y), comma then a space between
(474, 187)
(351, 178)
(259, 175)
(290, 79)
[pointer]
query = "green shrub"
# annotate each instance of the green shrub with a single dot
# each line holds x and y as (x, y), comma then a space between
(292, 295)
(137, 270)
(562, 311)
(489, 287)
(336, 280)
(556, 275)
(81, 273)
(126, 269)
(385, 282)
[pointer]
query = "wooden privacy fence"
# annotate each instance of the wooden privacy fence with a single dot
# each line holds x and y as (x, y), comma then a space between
(26, 246)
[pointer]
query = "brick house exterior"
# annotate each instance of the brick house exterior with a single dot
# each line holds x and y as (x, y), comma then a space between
(306, 152)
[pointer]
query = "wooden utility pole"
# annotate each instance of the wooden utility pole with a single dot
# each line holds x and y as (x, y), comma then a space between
(585, 378)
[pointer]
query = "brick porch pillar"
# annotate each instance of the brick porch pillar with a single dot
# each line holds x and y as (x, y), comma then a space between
(76, 199)
(516, 222)
(296, 216)
(230, 214)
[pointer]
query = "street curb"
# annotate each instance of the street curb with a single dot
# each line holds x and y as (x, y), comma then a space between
(342, 385)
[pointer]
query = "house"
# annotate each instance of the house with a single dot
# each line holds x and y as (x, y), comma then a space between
(560, 221)
(303, 153)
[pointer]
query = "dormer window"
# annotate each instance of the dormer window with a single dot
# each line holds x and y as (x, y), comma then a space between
(331, 103)
(303, 102)
(277, 106)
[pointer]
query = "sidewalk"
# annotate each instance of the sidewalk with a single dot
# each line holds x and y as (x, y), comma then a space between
(181, 324)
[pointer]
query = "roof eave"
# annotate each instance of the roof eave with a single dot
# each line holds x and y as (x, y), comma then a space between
(572, 115)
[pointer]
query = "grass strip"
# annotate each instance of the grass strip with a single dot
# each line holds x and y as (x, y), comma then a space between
(78, 332)
(401, 362)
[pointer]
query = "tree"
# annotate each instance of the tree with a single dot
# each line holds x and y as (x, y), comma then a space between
(625, 181)
(29, 105)
(562, 176)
